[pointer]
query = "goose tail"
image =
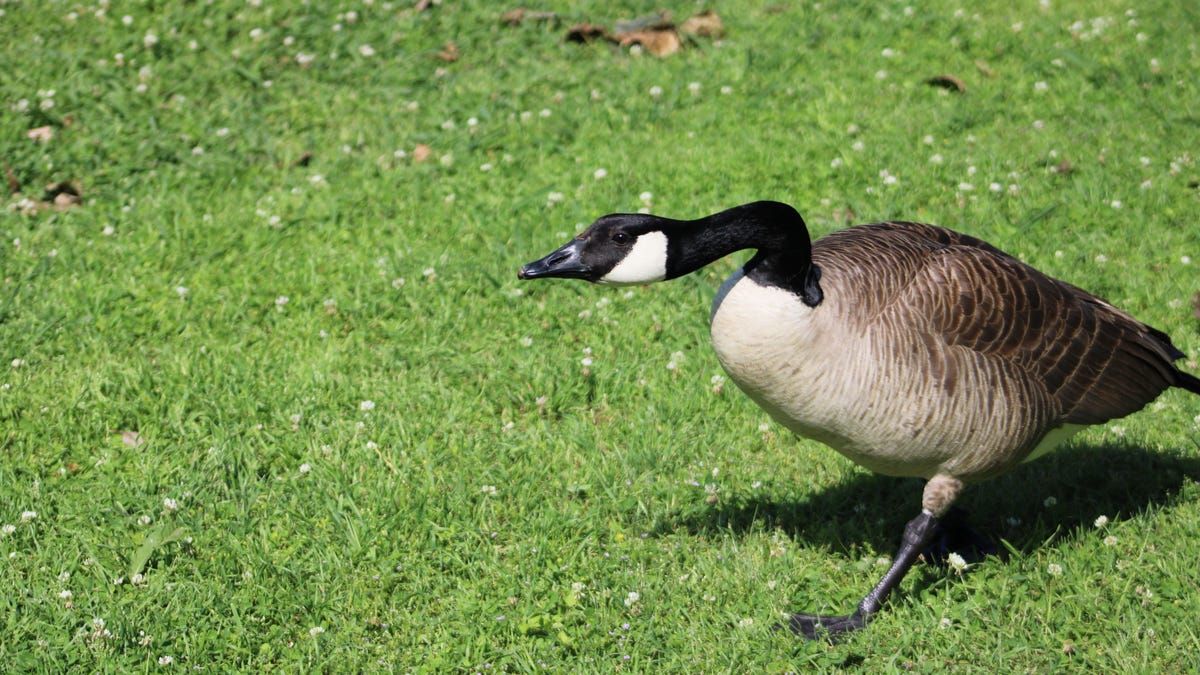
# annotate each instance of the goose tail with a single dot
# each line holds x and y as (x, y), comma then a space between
(1187, 381)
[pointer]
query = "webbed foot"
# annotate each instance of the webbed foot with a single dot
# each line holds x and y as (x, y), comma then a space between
(831, 628)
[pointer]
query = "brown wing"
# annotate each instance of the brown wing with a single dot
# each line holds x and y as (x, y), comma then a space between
(1094, 360)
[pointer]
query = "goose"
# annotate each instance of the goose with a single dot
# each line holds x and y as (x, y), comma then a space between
(911, 349)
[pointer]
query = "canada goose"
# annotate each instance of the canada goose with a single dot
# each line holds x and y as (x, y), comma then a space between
(911, 349)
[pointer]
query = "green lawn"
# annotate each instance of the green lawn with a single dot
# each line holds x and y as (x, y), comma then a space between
(272, 398)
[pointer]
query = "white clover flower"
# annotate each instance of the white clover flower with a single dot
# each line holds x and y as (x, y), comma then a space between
(366, 406)
(170, 504)
(1110, 540)
(599, 173)
(27, 516)
(1054, 570)
(7, 529)
(315, 631)
(957, 563)
(632, 598)
(305, 468)
(366, 50)
(1101, 521)
(166, 660)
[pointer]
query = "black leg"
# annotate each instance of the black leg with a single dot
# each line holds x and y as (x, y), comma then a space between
(917, 535)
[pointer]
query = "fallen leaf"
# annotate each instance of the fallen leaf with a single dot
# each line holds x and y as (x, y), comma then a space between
(64, 200)
(1196, 305)
(520, 15)
(1064, 167)
(661, 20)
(304, 159)
(41, 134)
(705, 24)
(421, 152)
(659, 42)
(14, 185)
(947, 82)
(449, 53)
(132, 439)
(421, 5)
(61, 196)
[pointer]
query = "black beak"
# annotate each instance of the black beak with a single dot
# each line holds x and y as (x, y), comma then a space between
(565, 263)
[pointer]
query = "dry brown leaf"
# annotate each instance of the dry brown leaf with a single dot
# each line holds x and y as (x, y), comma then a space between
(421, 152)
(421, 5)
(41, 134)
(65, 200)
(14, 185)
(304, 159)
(705, 24)
(449, 53)
(520, 15)
(658, 20)
(947, 82)
(659, 42)
(1064, 167)
(132, 439)
(1196, 305)
(587, 32)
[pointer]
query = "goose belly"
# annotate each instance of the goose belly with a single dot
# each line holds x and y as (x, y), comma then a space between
(866, 395)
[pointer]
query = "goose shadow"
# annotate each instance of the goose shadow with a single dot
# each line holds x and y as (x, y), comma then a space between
(1053, 498)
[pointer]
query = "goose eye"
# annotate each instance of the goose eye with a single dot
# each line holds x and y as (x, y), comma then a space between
(622, 237)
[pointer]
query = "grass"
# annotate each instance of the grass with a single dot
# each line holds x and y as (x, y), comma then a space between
(270, 410)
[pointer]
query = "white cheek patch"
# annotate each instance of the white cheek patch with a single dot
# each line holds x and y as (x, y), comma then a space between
(645, 262)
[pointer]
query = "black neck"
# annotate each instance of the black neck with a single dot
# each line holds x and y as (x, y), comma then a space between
(775, 230)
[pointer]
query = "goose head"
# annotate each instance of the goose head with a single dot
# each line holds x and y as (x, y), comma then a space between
(618, 249)
(637, 248)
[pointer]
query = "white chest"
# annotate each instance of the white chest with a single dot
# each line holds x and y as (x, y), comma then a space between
(775, 348)
(819, 378)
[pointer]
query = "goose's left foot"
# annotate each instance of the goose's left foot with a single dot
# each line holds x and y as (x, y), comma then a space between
(832, 628)
(917, 535)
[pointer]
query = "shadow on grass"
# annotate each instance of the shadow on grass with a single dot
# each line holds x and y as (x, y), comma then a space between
(869, 511)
